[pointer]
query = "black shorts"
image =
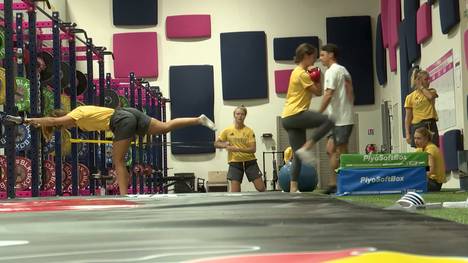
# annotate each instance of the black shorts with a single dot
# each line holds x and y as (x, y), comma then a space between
(341, 134)
(127, 122)
(237, 169)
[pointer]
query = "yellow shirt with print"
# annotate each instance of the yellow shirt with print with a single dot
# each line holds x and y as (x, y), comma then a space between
(423, 108)
(298, 97)
(92, 118)
(439, 163)
(241, 138)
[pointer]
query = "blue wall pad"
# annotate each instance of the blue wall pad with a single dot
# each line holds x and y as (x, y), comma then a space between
(412, 46)
(449, 14)
(410, 7)
(353, 35)
(244, 65)
(452, 143)
(380, 54)
(130, 13)
(192, 93)
(404, 70)
(285, 47)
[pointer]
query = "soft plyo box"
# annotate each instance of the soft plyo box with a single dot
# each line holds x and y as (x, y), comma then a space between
(392, 160)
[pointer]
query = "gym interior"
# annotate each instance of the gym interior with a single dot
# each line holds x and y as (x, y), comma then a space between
(374, 91)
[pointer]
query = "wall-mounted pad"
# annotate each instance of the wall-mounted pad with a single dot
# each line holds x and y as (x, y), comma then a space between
(394, 19)
(392, 57)
(285, 47)
(353, 36)
(188, 26)
(192, 93)
(244, 65)
(136, 52)
(282, 80)
(465, 47)
(404, 71)
(380, 54)
(384, 14)
(452, 144)
(130, 13)
(410, 7)
(449, 14)
(424, 23)
(413, 48)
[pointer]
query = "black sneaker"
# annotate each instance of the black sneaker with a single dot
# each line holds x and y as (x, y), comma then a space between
(330, 190)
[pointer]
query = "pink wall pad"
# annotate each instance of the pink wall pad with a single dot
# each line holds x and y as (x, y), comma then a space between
(394, 19)
(384, 19)
(188, 26)
(465, 46)
(424, 23)
(392, 57)
(136, 52)
(282, 80)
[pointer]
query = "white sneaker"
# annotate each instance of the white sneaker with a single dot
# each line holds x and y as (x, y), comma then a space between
(307, 156)
(205, 121)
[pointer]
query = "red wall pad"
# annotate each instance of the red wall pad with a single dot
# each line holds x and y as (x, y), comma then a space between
(136, 52)
(465, 46)
(384, 18)
(188, 26)
(282, 80)
(394, 18)
(424, 23)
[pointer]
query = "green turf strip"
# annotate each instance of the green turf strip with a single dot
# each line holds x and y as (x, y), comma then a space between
(459, 215)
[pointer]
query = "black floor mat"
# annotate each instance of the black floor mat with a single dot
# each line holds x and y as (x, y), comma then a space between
(183, 227)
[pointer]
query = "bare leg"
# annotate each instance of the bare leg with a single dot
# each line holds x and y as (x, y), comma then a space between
(340, 149)
(119, 149)
(331, 151)
(159, 127)
(259, 184)
(235, 186)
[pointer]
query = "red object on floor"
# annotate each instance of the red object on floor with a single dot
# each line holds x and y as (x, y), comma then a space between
(299, 257)
(64, 204)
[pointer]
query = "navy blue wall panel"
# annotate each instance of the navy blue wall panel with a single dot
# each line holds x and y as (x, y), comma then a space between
(244, 65)
(192, 94)
(353, 35)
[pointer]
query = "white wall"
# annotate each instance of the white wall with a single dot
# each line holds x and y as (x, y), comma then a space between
(431, 51)
(278, 18)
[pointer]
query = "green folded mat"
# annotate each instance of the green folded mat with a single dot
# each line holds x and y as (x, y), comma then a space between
(391, 160)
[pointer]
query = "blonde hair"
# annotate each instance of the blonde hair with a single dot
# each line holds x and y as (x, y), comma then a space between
(425, 133)
(416, 75)
(242, 108)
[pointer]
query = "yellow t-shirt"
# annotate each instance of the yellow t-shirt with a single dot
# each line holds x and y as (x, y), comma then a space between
(423, 108)
(92, 118)
(439, 163)
(241, 138)
(298, 97)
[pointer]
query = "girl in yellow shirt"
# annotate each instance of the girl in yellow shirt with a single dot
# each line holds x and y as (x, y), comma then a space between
(436, 174)
(420, 107)
(297, 117)
(123, 122)
(239, 141)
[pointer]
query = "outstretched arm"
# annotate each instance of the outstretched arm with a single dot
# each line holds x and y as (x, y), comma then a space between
(65, 121)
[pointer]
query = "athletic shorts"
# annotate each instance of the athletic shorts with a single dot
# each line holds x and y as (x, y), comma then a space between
(127, 122)
(237, 169)
(341, 134)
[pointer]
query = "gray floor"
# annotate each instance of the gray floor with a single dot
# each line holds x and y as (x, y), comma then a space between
(191, 226)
